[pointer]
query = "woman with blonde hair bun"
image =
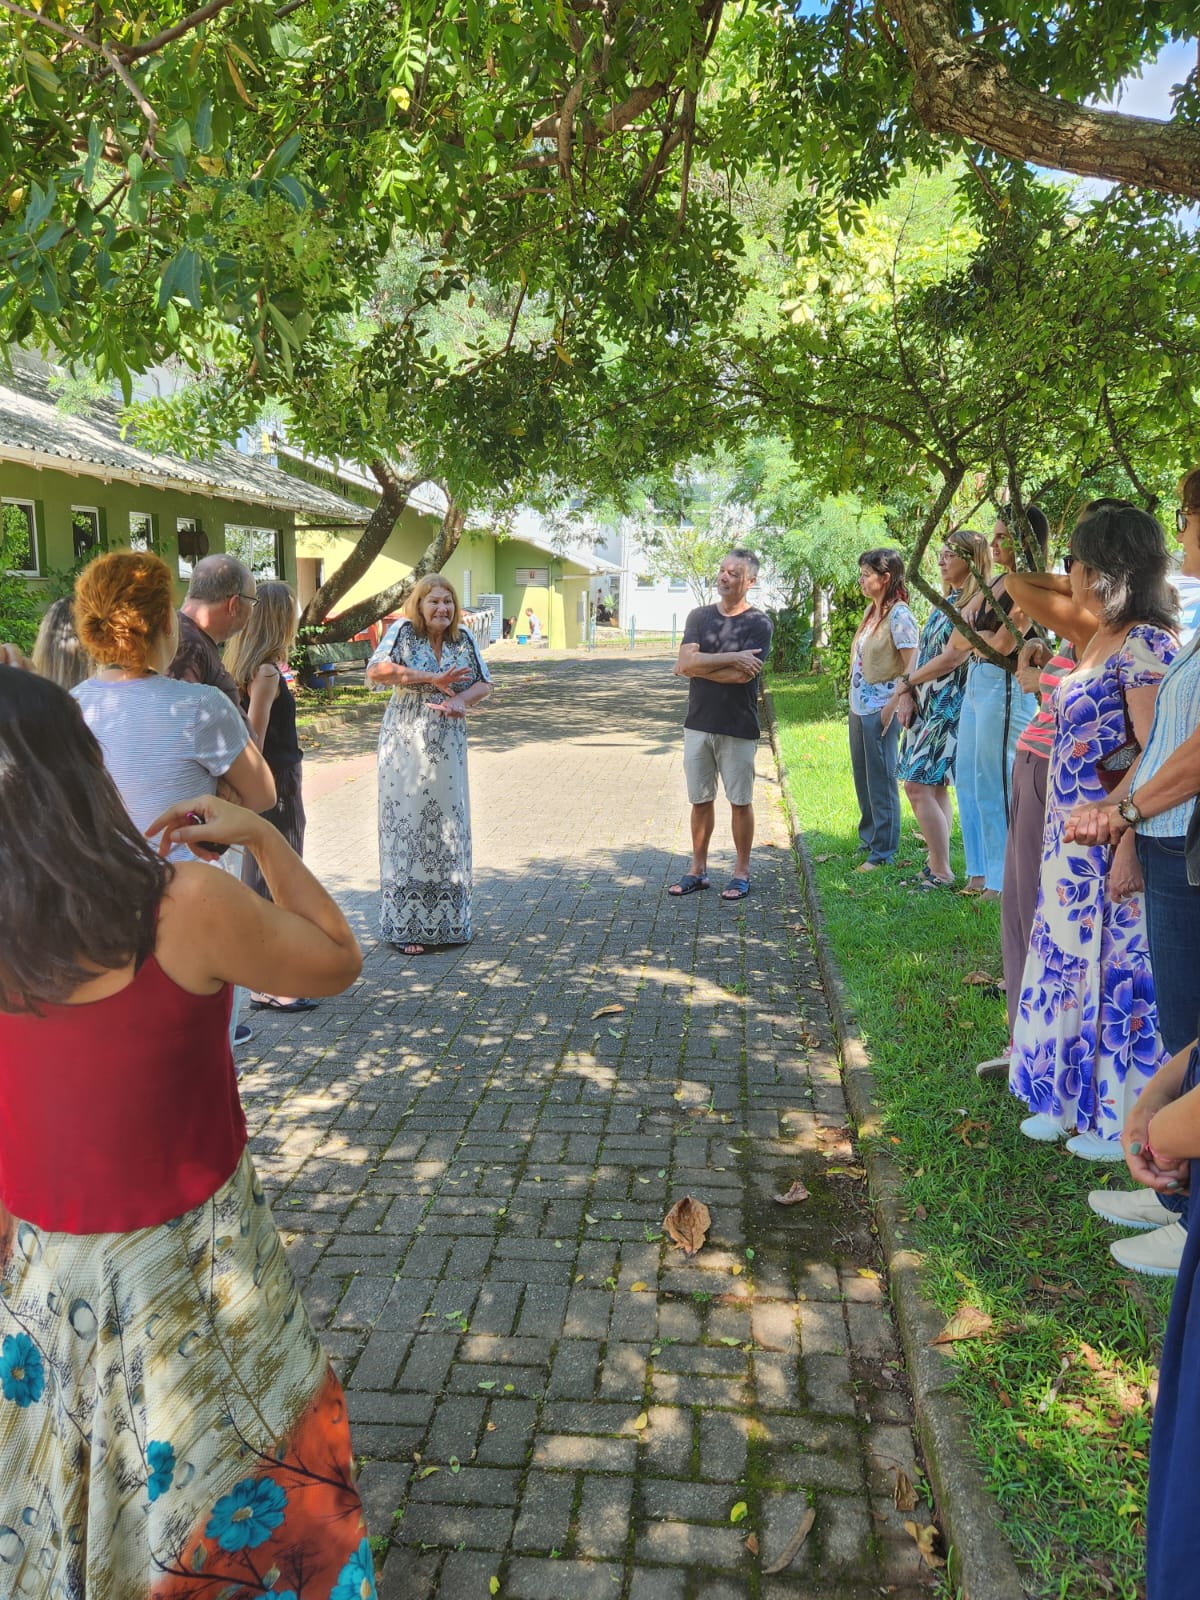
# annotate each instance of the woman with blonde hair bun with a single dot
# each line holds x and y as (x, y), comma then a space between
(436, 673)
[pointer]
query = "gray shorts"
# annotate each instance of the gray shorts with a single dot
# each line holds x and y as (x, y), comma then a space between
(707, 754)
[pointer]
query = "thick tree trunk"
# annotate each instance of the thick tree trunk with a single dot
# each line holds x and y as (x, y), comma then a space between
(962, 89)
(439, 550)
(393, 498)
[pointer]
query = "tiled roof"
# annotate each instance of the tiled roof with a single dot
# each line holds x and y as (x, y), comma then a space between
(33, 431)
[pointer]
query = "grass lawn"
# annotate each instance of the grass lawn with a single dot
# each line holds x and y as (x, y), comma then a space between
(1058, 1394)
(312, 703)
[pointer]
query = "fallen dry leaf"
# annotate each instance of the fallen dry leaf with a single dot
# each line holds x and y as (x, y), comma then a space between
(925, 1539)
(979, 980)
(793, 1197)
(637, 1288)
(904, 1496)
(687, 1224)
(642, 1420)
(751, 1543)
(968, 1322)
(792, 1549)
(969, 1125)
(607, 1011)
(846, 1172)
(736, 1269)
(823, 858)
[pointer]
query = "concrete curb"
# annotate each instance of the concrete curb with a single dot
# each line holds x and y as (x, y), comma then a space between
(981, 1560)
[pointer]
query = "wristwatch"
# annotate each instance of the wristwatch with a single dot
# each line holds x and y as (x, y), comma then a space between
(1129, 810)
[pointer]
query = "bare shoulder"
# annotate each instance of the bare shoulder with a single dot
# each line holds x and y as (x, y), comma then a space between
(193, 917)
(197, 892)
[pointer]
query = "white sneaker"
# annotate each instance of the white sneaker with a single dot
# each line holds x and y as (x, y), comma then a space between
(993, 1067)
(1157, 1254)
(1095, 1147)
(1130, 1208)
(1043, 1127)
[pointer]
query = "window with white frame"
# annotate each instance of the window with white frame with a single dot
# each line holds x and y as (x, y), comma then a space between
(256, 548)
(141, 531)
(20, 535)
(677, 584)
(85, 531)
(187, 529)
(645, 582)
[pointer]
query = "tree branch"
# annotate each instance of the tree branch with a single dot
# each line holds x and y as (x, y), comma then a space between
(958, 88)
(135, 52)
(438, 551)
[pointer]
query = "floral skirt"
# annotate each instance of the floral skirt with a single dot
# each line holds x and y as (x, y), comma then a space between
(170, 1427)
(424, 826)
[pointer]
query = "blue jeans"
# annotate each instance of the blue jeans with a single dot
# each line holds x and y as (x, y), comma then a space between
(873, 756)
(1173, 934)
(995, 712)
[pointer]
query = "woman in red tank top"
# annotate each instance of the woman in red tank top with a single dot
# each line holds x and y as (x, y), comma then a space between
(169, 1425)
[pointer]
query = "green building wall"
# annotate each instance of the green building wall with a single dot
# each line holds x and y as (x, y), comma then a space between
(55, 494)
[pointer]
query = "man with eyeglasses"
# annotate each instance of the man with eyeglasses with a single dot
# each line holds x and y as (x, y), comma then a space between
(219, 603)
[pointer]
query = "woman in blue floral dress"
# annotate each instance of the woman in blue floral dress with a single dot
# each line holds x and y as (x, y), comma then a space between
(1086, 1038)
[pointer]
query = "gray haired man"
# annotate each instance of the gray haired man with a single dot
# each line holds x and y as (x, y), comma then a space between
(219, 602)
(723, 652)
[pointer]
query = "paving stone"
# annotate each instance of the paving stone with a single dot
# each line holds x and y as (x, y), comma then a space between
(382, 1485)
(667, 1440)
(724, 1441)
(529, 1579)
(686, 1544)
(657, 1583)
(452, 1525)
(508, 1432)
(602, 1526)
(545, 1519)
(457, 1424)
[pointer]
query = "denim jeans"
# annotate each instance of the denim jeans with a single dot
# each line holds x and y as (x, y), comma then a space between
(873, 756)
(1173, 934)
(995, 712)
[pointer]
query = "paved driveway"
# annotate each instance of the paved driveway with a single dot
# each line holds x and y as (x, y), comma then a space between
(471, 1168)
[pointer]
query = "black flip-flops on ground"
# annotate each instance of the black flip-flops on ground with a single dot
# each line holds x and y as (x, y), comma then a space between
(690, 883)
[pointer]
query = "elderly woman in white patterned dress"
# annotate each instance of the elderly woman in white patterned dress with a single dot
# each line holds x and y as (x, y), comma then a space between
(436, 672)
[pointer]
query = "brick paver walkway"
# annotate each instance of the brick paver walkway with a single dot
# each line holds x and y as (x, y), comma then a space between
(471, 1169)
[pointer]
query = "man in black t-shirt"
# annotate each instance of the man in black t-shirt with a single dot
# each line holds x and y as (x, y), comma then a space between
(722, 655)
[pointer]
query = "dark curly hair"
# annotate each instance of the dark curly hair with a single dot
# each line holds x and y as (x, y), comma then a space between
(77, 880)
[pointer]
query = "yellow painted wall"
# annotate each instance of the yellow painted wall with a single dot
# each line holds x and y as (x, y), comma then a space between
(555, 604)
(408, 542)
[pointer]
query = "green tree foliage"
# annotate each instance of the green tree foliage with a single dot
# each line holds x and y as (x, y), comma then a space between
(601, 208)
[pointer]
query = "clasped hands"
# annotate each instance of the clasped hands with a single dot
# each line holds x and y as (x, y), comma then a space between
(447, 682)
(1152, 1171)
